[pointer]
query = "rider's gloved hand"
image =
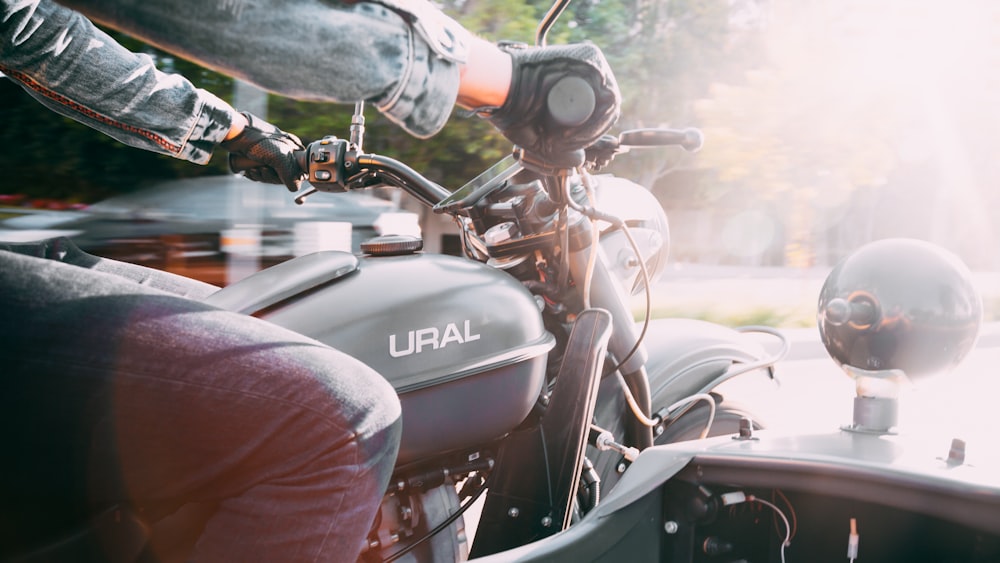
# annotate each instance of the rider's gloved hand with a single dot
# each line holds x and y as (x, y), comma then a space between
(269, 147)
(526, 118)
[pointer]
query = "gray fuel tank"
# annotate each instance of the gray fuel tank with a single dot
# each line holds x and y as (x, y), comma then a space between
(462, 343)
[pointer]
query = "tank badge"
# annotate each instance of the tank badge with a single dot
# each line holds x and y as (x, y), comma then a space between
(432, 338)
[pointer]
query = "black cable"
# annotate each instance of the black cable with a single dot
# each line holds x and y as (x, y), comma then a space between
(562, 224)
(616, 223)
(649, 300)
(548, 470)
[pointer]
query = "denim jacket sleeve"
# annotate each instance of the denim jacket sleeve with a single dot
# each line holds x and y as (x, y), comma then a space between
(72, 67)
(400, 55)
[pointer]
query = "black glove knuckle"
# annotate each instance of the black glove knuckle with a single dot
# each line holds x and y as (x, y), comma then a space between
(273, 148)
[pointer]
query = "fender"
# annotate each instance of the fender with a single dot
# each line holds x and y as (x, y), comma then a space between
(688, 356)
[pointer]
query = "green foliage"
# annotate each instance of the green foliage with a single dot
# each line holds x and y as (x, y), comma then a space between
(666, 54)
(785, 317)
(463, 149)
(498, 20)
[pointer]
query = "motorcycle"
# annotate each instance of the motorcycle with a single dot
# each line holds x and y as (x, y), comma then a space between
(529, 391)
(523, 376)
(519, 367)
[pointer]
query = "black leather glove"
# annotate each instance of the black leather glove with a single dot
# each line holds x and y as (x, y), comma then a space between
(562, 99)
(270, 149)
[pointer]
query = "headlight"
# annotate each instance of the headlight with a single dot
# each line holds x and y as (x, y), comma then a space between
(647, 223)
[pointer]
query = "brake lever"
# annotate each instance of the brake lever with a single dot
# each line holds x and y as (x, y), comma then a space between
(301, 198)
(603, 151)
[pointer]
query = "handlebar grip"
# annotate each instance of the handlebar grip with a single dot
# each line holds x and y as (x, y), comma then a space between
(239, 163)
(689, 139)
(571, 101)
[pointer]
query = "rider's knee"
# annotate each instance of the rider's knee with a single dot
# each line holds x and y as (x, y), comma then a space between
(355, 395)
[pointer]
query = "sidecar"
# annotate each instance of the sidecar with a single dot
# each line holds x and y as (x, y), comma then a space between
(872, 489)
(769, 496)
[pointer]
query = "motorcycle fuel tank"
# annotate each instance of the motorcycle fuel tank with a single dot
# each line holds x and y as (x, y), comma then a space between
(462, 343)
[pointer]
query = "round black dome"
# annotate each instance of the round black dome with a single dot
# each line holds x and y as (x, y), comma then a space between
(900, 304)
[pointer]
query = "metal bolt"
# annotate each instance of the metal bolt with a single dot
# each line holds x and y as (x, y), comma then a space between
(622, 467)
(746, 430)
(547, 521)
(956, 455)
(348, 164)
(513, 512)
(670, 527)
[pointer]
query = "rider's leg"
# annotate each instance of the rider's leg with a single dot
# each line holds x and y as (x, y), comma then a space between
(187, 403)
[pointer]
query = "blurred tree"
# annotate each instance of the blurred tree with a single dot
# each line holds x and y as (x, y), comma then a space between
(815, 120)
(666, 54)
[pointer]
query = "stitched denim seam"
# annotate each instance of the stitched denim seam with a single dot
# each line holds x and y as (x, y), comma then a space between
(85, 111)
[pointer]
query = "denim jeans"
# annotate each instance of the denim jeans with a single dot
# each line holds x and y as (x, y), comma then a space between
(118, 389)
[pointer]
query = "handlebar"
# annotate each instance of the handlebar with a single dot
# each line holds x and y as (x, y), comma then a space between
(334, 165)
(404, 177)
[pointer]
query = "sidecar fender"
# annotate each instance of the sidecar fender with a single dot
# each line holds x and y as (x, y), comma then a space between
(688, 356)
